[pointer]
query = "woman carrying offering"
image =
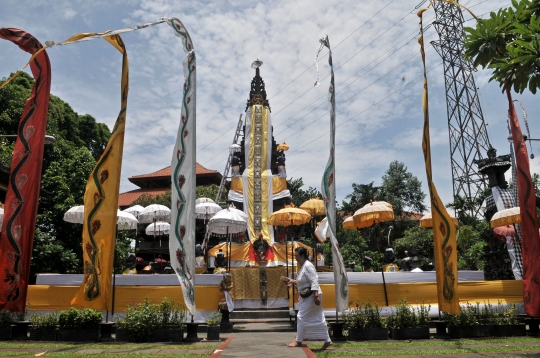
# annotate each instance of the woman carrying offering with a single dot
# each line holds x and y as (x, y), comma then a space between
(311, 323)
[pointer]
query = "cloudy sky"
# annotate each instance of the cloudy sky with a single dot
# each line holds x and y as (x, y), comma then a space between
(377, 69)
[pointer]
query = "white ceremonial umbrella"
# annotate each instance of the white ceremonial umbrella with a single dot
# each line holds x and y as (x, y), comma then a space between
(158, 228)
(134, 210)
(155, 212)
(227, 221)
(126, 221)
(1, 217)
(206, 210)
(204, 200)
(242, 214)
(75, 215)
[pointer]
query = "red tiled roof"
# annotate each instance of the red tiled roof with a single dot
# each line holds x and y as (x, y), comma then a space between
(166, 172)
(125, 199)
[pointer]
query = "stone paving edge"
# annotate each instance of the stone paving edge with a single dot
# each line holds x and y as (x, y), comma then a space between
(221, 348)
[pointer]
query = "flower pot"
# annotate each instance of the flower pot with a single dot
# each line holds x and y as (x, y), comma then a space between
(212, 333)
(475, 331)
(19, 330)
(78, 334)
(43, 334)
(508, 330)
(337, 331)
(167, 335)
(368, 334)
(5, 333)
(122, 335)
(421, 332)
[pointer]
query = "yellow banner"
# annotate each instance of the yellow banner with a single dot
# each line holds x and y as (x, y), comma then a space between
(258, 174)
(101, 205)
(444, 231)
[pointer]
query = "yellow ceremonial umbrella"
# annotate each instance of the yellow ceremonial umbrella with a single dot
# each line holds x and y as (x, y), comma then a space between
(426, 221)
(283, 146)
(506, 217)
(314, 206)
(289, 216)
(348, 223)
(374, 212)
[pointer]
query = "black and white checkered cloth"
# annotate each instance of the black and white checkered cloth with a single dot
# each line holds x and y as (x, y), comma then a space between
(508, 198)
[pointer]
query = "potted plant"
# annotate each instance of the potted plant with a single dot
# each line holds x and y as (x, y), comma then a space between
(43, 327)
(504, 322)
(79, 325)
(364, 322)
(469, 323)
(170, 322)
(408, 322)
(6, 321)
(138, 322)
(213, 321)
(149, 321)
(20, 327)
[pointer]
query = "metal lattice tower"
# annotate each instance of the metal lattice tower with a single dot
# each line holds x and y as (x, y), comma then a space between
(468, 134)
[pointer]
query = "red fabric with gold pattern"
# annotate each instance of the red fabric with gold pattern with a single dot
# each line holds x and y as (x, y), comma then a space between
(529, 220)
(22, 196)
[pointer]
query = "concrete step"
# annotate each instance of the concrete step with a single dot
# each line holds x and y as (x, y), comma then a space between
(259, 314)
(263, 327)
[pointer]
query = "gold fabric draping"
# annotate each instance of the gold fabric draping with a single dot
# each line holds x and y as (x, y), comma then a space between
(241, 252)
(444, 231)
(280, 253)
(265, 175)
(247, 283)
(56, 298)
(238, 252)
(101, 206)
(278, 185)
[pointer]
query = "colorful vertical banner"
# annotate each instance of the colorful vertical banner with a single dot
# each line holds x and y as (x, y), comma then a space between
(328, 189)
(101, 204)
(529, 220)
(444, 231)
(20, 209)
(182, 233)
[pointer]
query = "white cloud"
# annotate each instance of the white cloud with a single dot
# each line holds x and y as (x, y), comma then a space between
(372, 61)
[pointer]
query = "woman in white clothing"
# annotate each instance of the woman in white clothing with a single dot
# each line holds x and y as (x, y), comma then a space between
(311, 323)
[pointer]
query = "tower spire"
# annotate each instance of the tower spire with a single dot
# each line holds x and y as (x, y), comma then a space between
(257, 94)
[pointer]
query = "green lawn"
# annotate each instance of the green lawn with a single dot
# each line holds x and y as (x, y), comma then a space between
(431, 347)
(9, 345)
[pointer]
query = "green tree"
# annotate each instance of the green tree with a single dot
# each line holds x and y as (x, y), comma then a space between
(508, 43)
(67, 164)
(419, 238)
(362, 194)
(404, 191)
(300, 195)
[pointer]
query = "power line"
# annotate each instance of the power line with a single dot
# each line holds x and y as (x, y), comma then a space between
(356, 115)
(408, 39)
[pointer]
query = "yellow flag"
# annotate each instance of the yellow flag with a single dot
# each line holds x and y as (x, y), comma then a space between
(101, 205)
(444, 231)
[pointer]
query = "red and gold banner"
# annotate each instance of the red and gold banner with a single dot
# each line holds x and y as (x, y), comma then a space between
(444, 231)
(22, 196)
(529, 220)
(101, 205)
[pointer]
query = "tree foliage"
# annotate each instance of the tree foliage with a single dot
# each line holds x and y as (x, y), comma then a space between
(67, 164)
(508, 43)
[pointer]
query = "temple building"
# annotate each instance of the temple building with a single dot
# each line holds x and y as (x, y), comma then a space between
(158, 182)
(259, 178)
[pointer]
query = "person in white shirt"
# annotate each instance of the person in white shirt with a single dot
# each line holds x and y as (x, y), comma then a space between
(311, 323)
